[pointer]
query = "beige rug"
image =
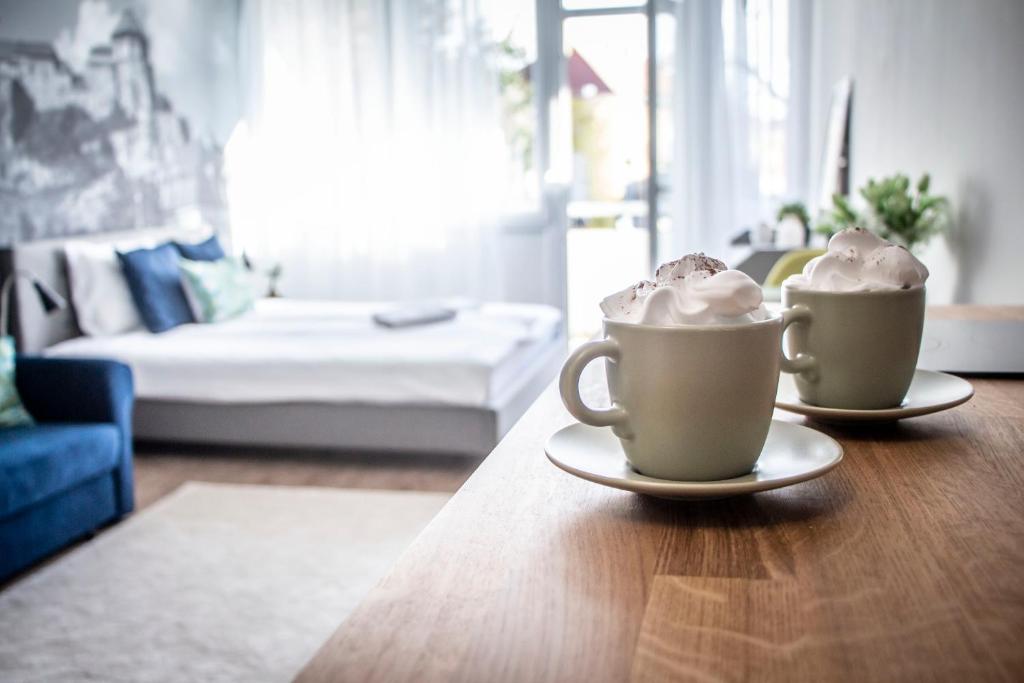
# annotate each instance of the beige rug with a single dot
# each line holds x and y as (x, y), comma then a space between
(213, 583)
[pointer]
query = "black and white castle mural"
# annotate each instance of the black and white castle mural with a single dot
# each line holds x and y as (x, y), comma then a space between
(91, 135)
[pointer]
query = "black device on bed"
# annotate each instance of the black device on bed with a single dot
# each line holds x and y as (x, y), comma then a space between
(412, 316)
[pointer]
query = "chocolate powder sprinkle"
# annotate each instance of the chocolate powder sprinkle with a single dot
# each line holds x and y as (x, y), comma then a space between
(700, 262)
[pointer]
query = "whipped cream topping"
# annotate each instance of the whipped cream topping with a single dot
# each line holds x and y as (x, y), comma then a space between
(693, 290)
(858, 260)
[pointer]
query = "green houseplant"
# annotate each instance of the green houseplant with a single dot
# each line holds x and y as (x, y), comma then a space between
(893, 211)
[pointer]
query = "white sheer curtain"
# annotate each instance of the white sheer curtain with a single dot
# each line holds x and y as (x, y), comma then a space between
(714, 190)
(740, 117)
(370, 160)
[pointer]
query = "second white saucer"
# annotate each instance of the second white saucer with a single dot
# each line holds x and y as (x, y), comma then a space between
(791, 454)
(929, 392)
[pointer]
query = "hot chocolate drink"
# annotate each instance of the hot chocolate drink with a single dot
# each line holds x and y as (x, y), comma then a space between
(692, 361)
(693, 290)
(858, 260)
(864, 305)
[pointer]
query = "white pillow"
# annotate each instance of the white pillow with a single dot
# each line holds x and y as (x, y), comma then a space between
(99, 291)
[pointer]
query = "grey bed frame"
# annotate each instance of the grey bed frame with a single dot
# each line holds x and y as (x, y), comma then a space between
(334, 426)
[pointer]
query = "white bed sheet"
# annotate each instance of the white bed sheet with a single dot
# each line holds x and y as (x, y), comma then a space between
(324, 351)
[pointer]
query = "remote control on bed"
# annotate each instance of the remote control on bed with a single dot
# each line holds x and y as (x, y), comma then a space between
(412, 316)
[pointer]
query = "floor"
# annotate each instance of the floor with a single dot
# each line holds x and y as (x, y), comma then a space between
(160, 469)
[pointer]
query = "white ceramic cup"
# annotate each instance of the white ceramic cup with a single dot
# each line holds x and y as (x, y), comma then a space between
(864, 345)
(689, 402)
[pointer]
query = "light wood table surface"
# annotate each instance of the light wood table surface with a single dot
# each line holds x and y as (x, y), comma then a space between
(904, 563)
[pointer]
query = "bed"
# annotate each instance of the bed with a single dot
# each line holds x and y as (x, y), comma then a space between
(319, 374)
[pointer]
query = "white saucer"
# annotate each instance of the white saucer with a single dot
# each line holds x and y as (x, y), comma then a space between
(930, 392)
(791, 454)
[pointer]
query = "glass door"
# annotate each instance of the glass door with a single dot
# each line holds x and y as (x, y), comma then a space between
(612, 75)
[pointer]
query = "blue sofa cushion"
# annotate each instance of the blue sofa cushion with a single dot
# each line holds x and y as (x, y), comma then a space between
(155, 283)
(38, 462)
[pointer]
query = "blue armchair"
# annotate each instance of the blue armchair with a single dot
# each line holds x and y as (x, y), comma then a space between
(71, 472)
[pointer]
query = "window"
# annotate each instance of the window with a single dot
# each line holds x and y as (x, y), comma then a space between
(606, 53)
(606, 62)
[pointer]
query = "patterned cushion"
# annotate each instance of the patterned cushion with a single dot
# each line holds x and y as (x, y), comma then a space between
(220, 289)
(12, 413)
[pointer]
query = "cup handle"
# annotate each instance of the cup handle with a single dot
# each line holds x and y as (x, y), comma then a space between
(569, 385)
(802, 363)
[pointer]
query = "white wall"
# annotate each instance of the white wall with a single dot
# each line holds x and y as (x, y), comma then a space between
(533, 256)
(534, 265)
(938, 87)
(523, 273)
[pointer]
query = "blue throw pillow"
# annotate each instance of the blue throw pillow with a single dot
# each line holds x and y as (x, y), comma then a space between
(155, 283)
(208, 250)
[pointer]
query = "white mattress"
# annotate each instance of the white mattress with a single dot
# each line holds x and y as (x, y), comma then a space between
(319, 351)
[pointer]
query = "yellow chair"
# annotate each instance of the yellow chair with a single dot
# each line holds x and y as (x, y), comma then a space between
(790, 263)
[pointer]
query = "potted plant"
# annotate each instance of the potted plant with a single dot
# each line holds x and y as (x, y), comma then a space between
(894, 212)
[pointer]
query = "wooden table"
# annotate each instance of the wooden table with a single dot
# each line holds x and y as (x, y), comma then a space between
(904, 563)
